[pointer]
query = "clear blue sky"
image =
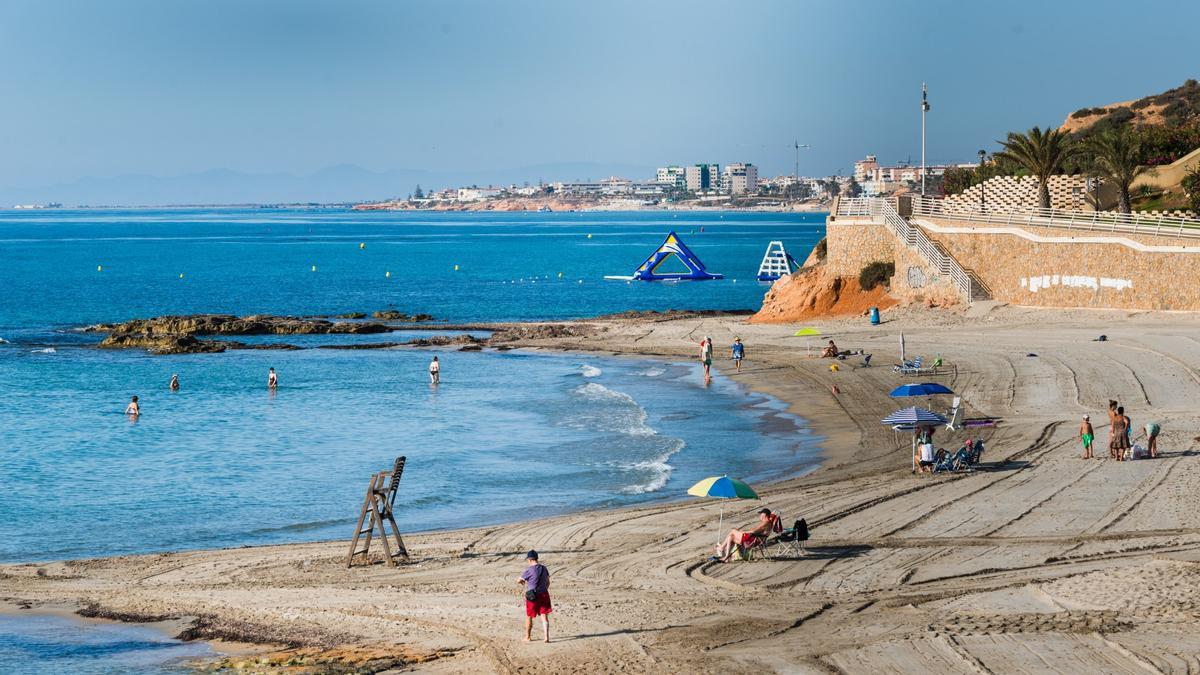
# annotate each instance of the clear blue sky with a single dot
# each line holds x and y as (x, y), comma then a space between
(166, 87)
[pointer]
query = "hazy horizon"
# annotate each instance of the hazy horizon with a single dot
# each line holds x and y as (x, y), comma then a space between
(105, 99)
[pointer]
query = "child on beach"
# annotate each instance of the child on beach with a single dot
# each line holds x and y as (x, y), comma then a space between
(738, 353)
(435, 371)
(1087, 435)
(536, 579)
(133, 409)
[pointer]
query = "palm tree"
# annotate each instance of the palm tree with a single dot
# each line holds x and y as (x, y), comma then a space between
(1041, 153)
(1116, 157)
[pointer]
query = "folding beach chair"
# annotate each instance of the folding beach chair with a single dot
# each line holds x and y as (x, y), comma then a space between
(908, 367)
(761, 546)
(791, 542)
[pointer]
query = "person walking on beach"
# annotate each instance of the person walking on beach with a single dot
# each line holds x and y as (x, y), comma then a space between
(536, 580)
(1152, 430)
(706, 356)
(435, 371)
(1112, 429)
(133, 409)
(738, 352)
(1087, 435)
(272, 379)
(174, 382)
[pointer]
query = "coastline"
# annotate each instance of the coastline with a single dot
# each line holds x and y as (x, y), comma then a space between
(634, 592)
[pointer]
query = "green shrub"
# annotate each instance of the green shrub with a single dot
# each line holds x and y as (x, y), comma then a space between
(876, 273)
(821, 249)
(1191, 187)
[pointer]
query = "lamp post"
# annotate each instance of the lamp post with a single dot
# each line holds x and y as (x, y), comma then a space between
(924, 109)
(982, 203)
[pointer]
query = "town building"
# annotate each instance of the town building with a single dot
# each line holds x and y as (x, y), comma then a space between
(876, 179)
(674, 176)
(612, 185)
(739, 179)
(474, 194)
(702, 178)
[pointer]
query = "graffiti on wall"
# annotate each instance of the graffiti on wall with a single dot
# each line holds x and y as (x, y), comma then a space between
(1035, 284)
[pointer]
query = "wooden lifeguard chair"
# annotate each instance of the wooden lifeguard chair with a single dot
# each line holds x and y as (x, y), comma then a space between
(381, 497)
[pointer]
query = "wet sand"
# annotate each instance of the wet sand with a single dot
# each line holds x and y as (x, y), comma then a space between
(1038, 562)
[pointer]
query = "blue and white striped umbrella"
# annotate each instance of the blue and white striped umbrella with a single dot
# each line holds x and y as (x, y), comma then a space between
(914, 416)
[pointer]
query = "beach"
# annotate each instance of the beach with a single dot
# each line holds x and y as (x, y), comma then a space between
(1038, 562)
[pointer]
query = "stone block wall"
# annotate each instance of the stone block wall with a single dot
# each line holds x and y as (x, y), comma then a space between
(1077, 274)
(852, 244)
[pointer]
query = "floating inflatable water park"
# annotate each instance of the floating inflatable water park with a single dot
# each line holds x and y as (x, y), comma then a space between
(776, 262)
(673, 246)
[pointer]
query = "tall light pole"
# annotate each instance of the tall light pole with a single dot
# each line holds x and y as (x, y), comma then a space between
(924, 109)
(982, 203)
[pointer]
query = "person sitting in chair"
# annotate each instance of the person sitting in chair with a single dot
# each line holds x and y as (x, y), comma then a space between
(738, 539)
(830, 352)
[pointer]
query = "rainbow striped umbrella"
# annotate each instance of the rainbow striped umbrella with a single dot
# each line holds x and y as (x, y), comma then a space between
(722, 487)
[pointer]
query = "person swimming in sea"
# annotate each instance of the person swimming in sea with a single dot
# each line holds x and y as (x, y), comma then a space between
(133, 409)
(174, 382)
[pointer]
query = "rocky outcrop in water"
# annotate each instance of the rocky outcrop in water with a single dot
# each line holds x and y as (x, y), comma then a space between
(227, 324)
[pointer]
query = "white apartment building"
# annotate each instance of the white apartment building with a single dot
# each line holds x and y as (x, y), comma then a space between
(701, 178)
(739, 179)
(675, 176)
(474, 194)
(612, 185)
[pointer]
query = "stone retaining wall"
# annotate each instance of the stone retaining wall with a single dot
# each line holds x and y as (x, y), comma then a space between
(853, 243)
(1077, 274)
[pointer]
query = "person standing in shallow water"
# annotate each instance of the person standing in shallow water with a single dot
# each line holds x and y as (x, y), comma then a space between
(536, 580)
(175, 383)
(133, 409)
(706, 357)
(272, 379)
(435, 371)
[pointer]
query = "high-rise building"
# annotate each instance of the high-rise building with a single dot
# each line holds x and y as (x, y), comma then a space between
(702, 178)
(739, 179)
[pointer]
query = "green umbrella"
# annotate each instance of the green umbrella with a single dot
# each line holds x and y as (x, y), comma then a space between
(806, 332)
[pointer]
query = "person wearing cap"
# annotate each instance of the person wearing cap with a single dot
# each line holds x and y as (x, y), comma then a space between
(738, 352)
(1087, 435)
(536, 579)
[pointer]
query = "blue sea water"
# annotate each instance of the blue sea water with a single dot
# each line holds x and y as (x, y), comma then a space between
(40, 644)
(223, 462)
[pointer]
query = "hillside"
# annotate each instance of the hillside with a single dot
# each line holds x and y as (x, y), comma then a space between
(1176, 107)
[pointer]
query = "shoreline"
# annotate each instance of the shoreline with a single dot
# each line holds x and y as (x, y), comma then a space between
(897, 561)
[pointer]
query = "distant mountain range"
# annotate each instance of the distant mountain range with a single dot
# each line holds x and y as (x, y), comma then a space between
(341, 183)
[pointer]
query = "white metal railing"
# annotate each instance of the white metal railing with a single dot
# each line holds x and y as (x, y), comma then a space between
(881, 210)
(1097, 221)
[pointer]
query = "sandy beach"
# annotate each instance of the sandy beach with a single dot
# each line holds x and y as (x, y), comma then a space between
(1038, 562)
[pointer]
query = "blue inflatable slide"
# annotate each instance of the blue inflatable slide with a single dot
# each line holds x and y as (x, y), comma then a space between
(672, 246)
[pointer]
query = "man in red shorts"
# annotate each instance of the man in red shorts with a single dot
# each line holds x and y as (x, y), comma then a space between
(536, 579)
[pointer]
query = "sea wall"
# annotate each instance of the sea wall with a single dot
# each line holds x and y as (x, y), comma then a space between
(1047, 267)
(853, 243)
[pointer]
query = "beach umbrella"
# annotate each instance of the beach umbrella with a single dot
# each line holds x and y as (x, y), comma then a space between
(917, 418)
(722, 487)
(807, 332)
(923, 389)
(902, 348)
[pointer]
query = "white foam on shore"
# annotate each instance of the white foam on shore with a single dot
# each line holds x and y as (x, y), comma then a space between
(652, 372)
(589, 371)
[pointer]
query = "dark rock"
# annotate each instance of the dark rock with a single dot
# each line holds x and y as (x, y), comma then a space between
(389, 315)
(365, 345)
(351, 315)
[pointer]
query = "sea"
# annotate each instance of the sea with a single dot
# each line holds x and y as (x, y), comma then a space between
(224, 462)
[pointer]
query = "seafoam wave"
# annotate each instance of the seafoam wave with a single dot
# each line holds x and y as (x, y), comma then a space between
(660, 472)
(47, 350)
(630, 418)
(589, 371)
(653, 371)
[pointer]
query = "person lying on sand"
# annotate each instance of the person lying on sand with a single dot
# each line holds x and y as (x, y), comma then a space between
(739, 539)
(830, 351)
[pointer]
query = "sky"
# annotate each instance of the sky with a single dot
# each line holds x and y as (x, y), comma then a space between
(167, 88)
